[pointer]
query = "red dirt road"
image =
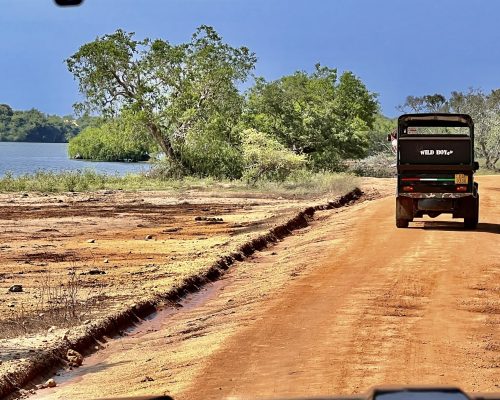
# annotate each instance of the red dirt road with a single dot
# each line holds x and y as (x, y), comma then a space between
(349, 303)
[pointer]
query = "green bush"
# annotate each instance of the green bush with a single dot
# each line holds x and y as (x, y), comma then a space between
(264, 158)
(116, 140)
(206, 153)
(323, 114)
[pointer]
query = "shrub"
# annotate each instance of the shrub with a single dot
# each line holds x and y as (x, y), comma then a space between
(117, 140)
(265, 158)
(206, 153)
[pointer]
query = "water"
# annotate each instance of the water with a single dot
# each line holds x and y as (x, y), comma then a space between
(22, 158)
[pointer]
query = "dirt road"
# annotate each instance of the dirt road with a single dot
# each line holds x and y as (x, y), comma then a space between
(342, 305)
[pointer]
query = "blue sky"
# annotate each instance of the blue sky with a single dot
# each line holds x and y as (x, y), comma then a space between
(397, 48)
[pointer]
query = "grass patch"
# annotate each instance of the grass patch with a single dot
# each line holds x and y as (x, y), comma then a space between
(299, 185)
(307, 184)
(57, 302)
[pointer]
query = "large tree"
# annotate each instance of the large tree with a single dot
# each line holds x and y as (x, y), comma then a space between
(173, 89)
(319, 114)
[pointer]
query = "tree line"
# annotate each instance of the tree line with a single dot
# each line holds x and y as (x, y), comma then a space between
(35, 126)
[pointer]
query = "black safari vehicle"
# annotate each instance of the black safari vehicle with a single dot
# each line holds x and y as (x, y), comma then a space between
(435, 165)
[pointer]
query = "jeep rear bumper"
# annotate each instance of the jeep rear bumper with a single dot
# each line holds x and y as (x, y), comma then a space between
(415, 205)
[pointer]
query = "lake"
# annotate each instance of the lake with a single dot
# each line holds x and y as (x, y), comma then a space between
(21, 158)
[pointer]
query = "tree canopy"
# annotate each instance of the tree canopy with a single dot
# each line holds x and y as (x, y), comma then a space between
(377, 137)
(187, 98)
(318, 114)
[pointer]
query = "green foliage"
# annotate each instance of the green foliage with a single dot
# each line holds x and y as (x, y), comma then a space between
(116, 140)
(186, 97)
(326, 117)
(34, 126)
(381, 160)
(179, 91)
(377, 138)
(428, 103)
(211, 155)
(6, 113)
(43, 181)
(265, 158)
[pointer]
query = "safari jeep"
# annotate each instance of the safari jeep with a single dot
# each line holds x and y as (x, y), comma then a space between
(435, 166)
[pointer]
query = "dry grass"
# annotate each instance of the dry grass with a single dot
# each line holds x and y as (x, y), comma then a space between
(55, 302)
(300, 184)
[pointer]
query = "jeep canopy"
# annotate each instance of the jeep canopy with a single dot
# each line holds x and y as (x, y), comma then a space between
(436, 119)
(435, 139)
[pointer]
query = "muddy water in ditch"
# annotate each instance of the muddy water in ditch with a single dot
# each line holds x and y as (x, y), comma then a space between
(139, 332)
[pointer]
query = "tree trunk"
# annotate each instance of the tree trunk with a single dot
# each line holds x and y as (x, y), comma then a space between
(163, 142)
(484, 152)
(491, 163)
(169, 151)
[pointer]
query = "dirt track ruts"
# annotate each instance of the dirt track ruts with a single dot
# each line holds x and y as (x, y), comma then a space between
(346, 304)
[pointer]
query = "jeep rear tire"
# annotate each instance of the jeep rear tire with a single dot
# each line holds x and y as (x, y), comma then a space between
(471, 221)
(404, 211)
(402, 223)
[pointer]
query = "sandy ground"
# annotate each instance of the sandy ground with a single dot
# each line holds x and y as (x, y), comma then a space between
(120, 246)
(344, 304)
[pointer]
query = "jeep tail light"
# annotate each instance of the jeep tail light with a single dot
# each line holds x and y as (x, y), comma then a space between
(408, 188)
(461, 188)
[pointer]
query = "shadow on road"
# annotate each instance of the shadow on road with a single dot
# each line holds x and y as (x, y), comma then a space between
(459, 226)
